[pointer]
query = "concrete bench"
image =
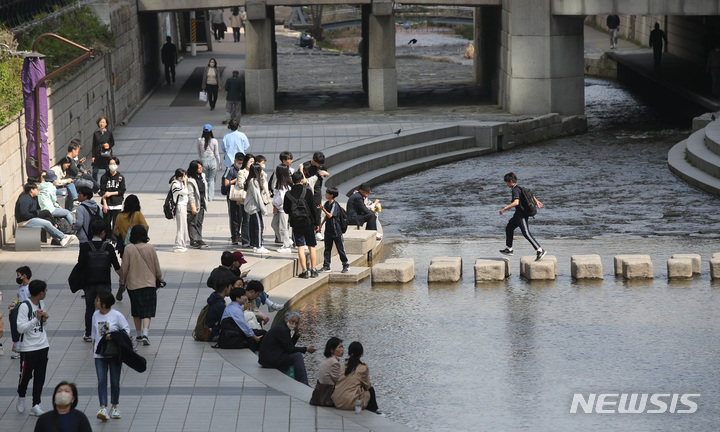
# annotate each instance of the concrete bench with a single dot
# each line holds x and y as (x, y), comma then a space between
(639, 267)
(29, 239)
(545, 269)
(491, 270)
(359, 242)
(696, 261)
(618, 261)
(445, 269)
(715, 267)
(394, 270)
(586, 267)
(680, 268)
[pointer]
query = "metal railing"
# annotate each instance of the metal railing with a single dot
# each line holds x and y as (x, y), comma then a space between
(14, 13)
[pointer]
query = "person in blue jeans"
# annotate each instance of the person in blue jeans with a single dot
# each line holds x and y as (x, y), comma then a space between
(26, 214)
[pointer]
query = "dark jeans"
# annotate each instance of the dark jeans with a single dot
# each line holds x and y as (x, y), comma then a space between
(244, 226)
(90, 294)
(110, 217)
(372, 403)
(169, 71)
(235, 215)
(195, 225)
(519, 220)
(296, 359)
(256, 227)
(212, 93)
(102, 365)
(340, 245)
(236, 34)
(33, 363)
(370, 218)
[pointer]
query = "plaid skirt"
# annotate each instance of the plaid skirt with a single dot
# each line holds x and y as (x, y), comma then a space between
(143, 302)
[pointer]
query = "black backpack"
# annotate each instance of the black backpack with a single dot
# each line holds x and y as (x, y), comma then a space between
(343, 219)
(231, 337)
(93, 217)
(299, 211)
(527, 202)
(170, 205)
(16, 336)
(97, 262)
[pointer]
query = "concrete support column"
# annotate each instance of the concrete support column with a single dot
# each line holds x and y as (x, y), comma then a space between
(542, 66)
(259, 73)
(382, 75)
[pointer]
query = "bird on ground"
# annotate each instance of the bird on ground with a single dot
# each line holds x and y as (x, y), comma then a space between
(413, 41)
(712, 117)
(397, 132)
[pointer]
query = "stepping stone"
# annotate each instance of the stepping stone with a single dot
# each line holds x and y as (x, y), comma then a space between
(359, 242)
(618, 259)
(638, 267)
(696, 261)
(715, 267)
(354, 275)
(545, 269)
(586, 267)
(490, 270)
(680, 268)
(445, 269)
(394, 270)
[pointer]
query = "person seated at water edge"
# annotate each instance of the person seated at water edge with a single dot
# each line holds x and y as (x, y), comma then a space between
(256, 295)
(333, 231)
(358, 213)
(47, 197)
(235, 311)
(26, 214)
(278, 349)
(306, 41)
(216, 306)
(229, 268)
(63, 181)
(354, 383)
(519, 219)
(64, 417)
(77, 170)
(304, 220)
(329, 371)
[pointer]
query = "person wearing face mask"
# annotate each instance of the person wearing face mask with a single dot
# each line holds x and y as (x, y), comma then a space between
(179, 188)
(278, 349)
(112, 192)
(102, 145)
(212, 82)
(34, 349)
(239, 221)
(64, 417)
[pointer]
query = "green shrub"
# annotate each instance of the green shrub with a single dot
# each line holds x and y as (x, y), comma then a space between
(466, 31)
(11, 97)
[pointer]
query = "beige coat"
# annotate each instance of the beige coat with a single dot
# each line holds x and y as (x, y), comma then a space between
(329, 371)
(140, 266)
(352, 387)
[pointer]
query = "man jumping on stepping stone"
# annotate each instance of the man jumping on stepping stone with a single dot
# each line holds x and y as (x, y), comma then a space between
(519, 219)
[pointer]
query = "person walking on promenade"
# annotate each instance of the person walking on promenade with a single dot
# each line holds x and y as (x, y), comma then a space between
(86, 212)
(105, 321)
(354, 383)
(236, 22)
(255, 207)
(212, 82)
(169, 56)
(178, 186)
(333, 231)
(112, 192)
(299, 207)
(280, 223)
(197, 203)
(34, 348)
(102, 145)
(235, 88)
(234, 142)
(139, 274)
(243, 217)
(519, 219)
(129, 217)
(218, 24)
(657, 37)
(613, 23)
(209, 153)
(278, 348)
(64, 417)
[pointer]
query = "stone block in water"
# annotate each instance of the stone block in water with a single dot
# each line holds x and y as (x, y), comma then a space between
(618, 260)
(394, 270)
(696, 261)
(545, 269)
(638, 267)
(586, 267)
(445, 269)
(490, 270)
(680, 268)
(715, 267)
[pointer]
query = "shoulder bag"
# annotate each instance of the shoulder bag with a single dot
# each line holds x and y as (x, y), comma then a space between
(322, 395)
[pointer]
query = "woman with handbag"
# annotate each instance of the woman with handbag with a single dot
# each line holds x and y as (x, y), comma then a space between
(197, 203)
(105, 321)
(102, 145)
(140, 274)
(209, 153)
(178, 186)
(256, 207)
(212, 82)
(354, 383)
(129, 217)
(237, 193)
(329, 373)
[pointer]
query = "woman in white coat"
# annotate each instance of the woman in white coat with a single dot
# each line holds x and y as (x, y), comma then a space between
(178, 186)
(255, 206)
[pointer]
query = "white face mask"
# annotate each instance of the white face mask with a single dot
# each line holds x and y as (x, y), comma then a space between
(63, 398)
(113, 167)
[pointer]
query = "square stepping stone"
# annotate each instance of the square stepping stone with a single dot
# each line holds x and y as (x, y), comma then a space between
(695, 258)
(638, 267)
(618, 260)
(490, 270)
(445, 269)
(545, 269)
(359, 242)
(715, 267)
(394, 270)
(586, 267)
(680, 268)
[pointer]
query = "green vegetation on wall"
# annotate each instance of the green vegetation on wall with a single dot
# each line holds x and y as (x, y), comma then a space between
(11, 98)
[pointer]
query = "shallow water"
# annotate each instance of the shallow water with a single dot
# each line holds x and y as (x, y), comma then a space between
(510, 355)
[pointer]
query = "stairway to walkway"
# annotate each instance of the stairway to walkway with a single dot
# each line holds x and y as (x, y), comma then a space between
(696, 160)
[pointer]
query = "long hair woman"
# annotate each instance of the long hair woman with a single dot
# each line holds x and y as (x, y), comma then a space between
(197, 203)
(255, 207)
(209, 153)
(178, 186)
(354, 382)
(242, 176)
(280, 223)
(212, 82)
(128, 217)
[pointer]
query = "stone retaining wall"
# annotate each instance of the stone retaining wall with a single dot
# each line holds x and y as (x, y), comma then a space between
(542, 128)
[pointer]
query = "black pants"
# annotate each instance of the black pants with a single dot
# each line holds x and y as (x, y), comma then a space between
(235, 214)
(372, 403)
(195, 225)
(169, 71)
(657, 56)
(212, 93)
(521, 221)
(110, 217)
(33, 363)
(371, 220)
(340, 245)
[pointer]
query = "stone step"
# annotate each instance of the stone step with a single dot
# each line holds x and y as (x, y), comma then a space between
(692, 175)
(394, 270)
(699, 154)
(712, 137)
(445, 269)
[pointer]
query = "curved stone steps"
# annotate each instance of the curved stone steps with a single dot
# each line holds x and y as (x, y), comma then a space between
(700, 155)
(690, 174)
(712, 137)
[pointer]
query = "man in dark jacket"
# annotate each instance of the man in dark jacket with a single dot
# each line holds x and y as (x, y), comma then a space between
(314, 171)
(657, 37)
(613, 22)
(229, 268)
(278, 349)
(216, 303)
(26, 214)
(305, 222)
(235, 88)
(169, 56)
(357, 211)
(112, 192)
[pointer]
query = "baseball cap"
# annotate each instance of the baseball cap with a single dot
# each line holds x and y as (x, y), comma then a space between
(239, 257)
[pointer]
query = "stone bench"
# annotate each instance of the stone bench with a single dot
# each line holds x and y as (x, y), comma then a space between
(638, 267)
(696, 261)
(489, 269)
(586, 267)
(680, 268)
(715, 267)
(545, 269)
(358, 242)
(445, 269)
(618, 261)
(29, 239)
(394, 270)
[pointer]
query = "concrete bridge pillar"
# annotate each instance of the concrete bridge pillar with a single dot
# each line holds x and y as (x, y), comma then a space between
(259, 71)
(382, 75)
(541, 66)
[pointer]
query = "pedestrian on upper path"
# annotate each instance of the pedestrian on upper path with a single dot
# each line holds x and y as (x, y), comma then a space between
(209, 152)
(212, 82)
(102, 145)
(519, 219)
(657, 37)
(613, 24)
(235, 88)
(169, 56)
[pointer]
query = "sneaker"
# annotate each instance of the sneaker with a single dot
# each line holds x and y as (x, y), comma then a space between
(313, 273)
(115, 413)
(303, 275)
(20, 405)
(540, 255)
(284, 250)
(276, 307)
(119, 295)
(235, 242)
(15, 355)
(36, 410)
(245, 245)
(506, 251)
(145, 340)
(345, 269)
(66, 240)
(180, 250)
(203, 244)
(319, 237)
(325, 270)
(103, 415)
(87, 338)
(261, 250)
(378, 237)
(195, 245)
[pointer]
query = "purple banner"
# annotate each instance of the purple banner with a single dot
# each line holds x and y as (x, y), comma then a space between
(33, 71)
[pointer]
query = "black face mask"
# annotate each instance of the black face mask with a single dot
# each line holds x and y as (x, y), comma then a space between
(18, 281)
